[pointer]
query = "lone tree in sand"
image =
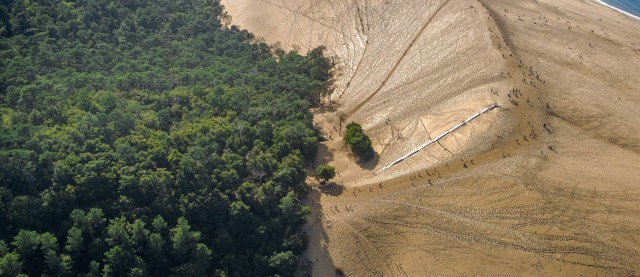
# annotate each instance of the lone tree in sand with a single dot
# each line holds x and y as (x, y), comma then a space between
(358, 142)
(324, 173)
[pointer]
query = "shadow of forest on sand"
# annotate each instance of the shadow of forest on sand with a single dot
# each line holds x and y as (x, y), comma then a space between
(331, 188)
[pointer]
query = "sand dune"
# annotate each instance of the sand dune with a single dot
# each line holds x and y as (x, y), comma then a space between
(547, 184)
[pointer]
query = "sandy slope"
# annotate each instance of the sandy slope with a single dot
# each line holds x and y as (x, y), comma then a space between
(549, 183)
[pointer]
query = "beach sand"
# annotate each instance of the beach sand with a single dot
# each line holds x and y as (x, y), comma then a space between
(548, 183)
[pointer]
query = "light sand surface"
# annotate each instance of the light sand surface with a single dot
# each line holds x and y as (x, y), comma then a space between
(546, 184)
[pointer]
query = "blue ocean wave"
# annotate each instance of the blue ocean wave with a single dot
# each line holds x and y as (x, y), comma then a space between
(630, 7)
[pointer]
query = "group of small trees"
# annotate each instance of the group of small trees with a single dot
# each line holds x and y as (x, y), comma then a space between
(358, 142)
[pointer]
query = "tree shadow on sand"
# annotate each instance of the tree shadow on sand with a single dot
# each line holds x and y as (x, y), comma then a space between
(318, 239)
(331, 188)
(370, 164)
(324, 156)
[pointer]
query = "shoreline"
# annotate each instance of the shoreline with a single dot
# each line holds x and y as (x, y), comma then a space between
(618, 10)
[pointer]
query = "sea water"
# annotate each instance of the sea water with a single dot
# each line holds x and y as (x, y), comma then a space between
(630, 7)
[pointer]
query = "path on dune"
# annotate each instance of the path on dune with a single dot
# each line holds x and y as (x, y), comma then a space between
(436, 139)
(397, 63)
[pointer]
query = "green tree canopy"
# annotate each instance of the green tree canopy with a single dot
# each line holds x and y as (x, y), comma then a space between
(358, 142)
(149, 138)
(324, 173)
